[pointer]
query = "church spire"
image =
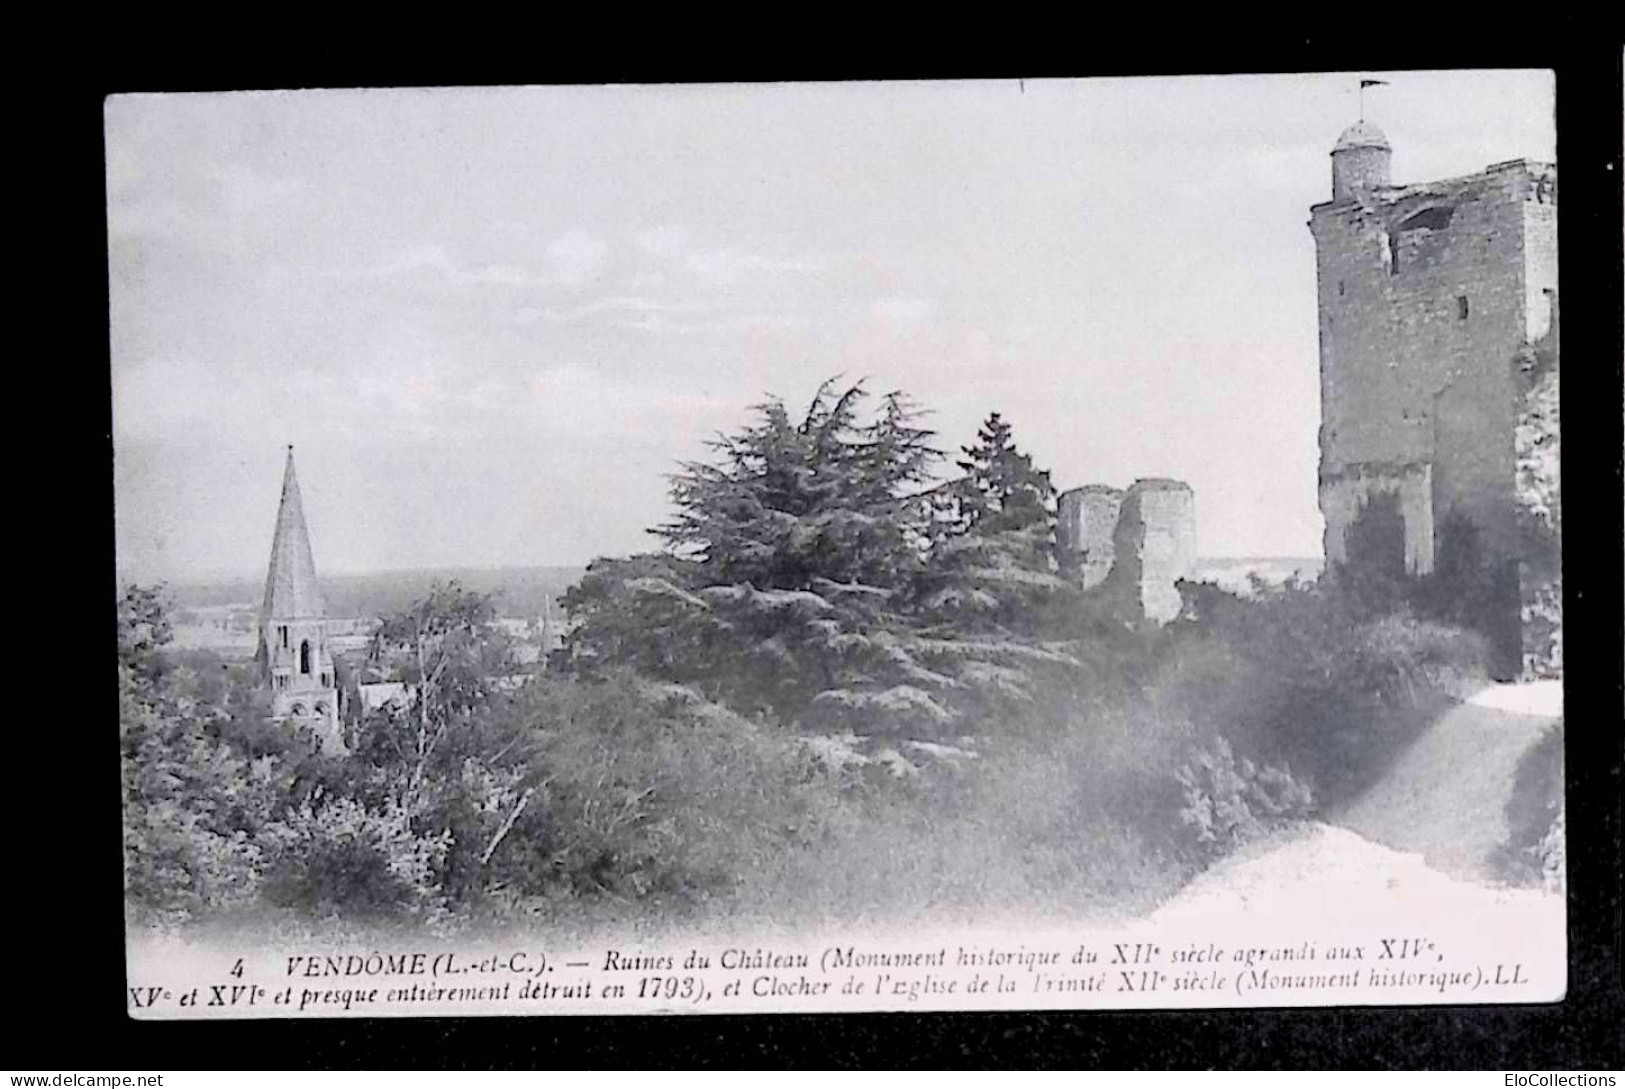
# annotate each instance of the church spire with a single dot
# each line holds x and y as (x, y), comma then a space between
(291, 590)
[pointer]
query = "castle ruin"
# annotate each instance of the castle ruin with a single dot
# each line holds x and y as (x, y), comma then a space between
(1433, 300)
(1134, 545)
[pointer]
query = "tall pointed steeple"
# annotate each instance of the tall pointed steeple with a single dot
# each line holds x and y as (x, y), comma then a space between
(291, 590)
(297, 662)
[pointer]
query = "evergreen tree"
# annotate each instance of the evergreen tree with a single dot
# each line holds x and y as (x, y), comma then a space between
(812, 575)
(791, 560)
(993, 560)
(1000, 489)
(828, 497)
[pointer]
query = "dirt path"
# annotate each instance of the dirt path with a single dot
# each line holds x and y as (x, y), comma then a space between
(1445, 798)
(1423, 839)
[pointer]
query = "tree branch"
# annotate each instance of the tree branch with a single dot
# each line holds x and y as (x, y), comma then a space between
(507, 826)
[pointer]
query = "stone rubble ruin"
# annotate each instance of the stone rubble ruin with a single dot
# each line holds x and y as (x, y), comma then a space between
(1133, 545)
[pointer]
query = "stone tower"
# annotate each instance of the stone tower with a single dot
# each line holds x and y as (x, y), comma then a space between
(1362, 159)
(1135, 545)
(1086, 521)
(293, 648)
(1429, 297)
(1155, 543)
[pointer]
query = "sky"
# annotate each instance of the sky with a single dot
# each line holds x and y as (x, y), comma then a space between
(493, 320)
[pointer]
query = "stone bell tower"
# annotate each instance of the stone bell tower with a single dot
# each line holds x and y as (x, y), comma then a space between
(293, 649)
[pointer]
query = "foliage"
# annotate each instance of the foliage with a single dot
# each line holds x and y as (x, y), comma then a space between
(650, 793)
(814, 578)
(1000, 489)
(992, 564)
(448, 648)
(1302, 675)
(1229, 802)
(1533, 850)
(337, 857)
(829, 498)
(1025, 827)
(1552, 853)
(143, 631)
(1373, 574)
(192, 806)
(842, 680)
(1540, 521)
(521, 800)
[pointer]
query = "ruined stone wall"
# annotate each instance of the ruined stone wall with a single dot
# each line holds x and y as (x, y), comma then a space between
(1344, 496)
(1425, 300)
(1133, 546)
(1155, 545)
(1540, 509)
(1085, 526)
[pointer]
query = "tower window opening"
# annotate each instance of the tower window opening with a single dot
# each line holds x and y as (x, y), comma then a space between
(1461, 307)
(284, 630)
(1342, 288)
(1429, 219)
(1393, 255)
(304, 657)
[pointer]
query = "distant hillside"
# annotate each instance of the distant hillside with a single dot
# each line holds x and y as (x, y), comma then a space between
(1234, 573)
(522, 591)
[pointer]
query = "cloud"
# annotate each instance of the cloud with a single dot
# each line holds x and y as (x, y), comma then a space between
(662, 242)
(573, 259)
(577, 401)
(653, 316)
(726, 266)
(612, 304)
(673, 245)
(735, 323)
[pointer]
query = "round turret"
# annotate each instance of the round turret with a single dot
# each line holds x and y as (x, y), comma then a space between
(1360, 160)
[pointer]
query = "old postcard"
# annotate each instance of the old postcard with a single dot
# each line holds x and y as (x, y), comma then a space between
(1017, 544)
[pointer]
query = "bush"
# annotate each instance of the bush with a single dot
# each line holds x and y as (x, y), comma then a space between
(192, 813)
(649, 793)
(336, 857)
(1228, 803)
(1533, 853)
(1298, 677)
(1023, 828)
(1552, 853)
(178, 868)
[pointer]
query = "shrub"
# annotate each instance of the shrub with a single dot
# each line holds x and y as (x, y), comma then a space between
(336, 857)
(1296, 676)
(192, 811)
(1228, 802)
(178, 868)
(1552, 853)
(649, 793)
(1533, 852)
(1026, 828)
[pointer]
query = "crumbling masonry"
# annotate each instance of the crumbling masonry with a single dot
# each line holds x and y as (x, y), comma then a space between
(1135, 544)
(1438, 320)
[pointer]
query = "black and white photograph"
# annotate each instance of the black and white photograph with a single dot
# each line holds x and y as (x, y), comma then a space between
(1008, 544)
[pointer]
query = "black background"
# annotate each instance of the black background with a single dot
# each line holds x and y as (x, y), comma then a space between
(63, 956)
